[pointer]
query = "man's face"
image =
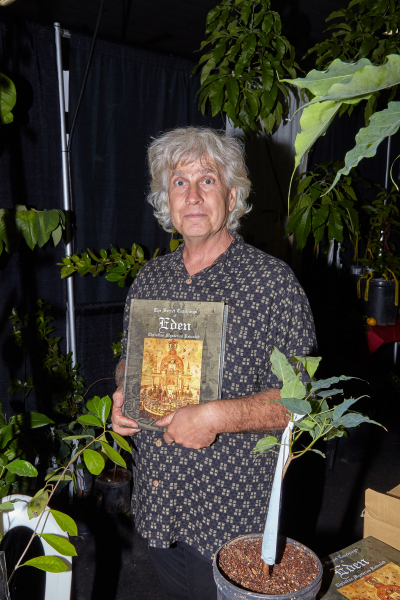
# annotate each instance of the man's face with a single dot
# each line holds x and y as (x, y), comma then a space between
(199, 200)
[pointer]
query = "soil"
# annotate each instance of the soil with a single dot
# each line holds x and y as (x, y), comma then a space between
(120, 475)
(241, 563)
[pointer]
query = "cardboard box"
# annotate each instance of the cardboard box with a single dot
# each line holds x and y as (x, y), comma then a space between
(382, 516)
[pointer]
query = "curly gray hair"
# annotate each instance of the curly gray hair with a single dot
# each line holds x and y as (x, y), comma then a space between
(188, 144)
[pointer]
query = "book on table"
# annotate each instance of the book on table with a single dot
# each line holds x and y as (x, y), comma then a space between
(175, 356)
(366, 570)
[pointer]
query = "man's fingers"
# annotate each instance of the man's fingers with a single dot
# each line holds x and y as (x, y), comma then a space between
(168, 439)
(118, 398)
(166, 420)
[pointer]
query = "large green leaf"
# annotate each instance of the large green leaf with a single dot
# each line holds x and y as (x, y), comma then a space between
(280, 366)
(65, 522)
(8, 98)
(293, 389)
(22, 467)
(59, 543)
(25, 222)
(40, 229)
(51, 564)
(89, 420)
(352, 420)
(303, 228)
(335, 225)
(323, 384)
(382, 124)
(32, 420)
(100, 407)
(320, 82)
(366, 81)
(121, 441)
(94, 461)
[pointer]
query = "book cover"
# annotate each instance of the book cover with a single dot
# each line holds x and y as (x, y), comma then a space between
(175, 354)
(366, 570)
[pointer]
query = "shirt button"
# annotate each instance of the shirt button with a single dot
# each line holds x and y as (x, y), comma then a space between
(188, 280)
(156, 483)
(158, 443)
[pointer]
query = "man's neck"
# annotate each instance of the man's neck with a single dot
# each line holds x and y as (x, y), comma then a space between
(200, 253)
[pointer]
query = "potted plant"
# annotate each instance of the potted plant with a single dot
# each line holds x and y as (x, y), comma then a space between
(97, 415)
(313, 416)
(379, 287)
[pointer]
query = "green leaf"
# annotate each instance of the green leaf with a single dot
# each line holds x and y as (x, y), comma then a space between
(216, 95)
(89, 420)
(113, 455)
(303, 228)
(267, 76)
(281, 367)
(56, 234)
(65, 522)
(340, 409)
(76, 437)
(210, 64)
(25, 223)
(265, 444)
(334, 432)
(320, 82)
(94, 461)
(352, 420)
(382, 124)
(6, 506)
(326, 383)
(37, 504)
(51, 564)
(335, 225)
(293, 389)
(32, 420)
(59, 543)
(114, 277)
(311, 364)
(295, 220)
(329, 393)
(8, 98)
(294, 405)
(320, 216)
(40, 230)
(100, 407)
(6, 434)
(22, 467)
(121, 441)
(318, 452)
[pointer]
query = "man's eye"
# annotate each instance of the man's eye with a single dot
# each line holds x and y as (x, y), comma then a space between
(208, 181)
(180, 182)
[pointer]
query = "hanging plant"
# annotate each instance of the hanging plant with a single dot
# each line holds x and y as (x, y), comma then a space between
(35, 226)
(246, 58)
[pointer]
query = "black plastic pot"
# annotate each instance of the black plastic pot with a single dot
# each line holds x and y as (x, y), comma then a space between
(116, 494)
(230, 591)
(380, 303)
(4, 592)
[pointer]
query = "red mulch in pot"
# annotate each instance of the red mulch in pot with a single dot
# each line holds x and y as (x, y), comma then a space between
(241, 563)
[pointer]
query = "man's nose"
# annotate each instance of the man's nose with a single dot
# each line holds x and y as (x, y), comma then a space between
(193, 195)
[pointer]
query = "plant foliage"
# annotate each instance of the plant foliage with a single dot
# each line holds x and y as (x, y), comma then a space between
(309, 405)
(8, 98)
(246, 58)
(34, 226)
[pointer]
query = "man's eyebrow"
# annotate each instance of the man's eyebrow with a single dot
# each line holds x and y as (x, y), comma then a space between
(201, 172)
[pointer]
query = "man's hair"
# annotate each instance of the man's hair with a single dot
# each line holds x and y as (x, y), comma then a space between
(186, 145)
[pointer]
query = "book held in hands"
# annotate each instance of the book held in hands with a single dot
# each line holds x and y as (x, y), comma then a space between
(175, 354)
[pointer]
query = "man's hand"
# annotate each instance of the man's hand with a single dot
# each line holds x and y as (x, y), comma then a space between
(192, 426)
(120, 424)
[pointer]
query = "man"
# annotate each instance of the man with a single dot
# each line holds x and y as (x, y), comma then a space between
(197, 486)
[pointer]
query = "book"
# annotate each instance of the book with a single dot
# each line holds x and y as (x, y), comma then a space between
(366, 570)
(175, 356)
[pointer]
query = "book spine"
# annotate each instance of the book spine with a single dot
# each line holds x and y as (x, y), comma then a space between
(222, 352)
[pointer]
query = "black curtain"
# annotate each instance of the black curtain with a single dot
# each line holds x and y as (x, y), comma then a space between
(131, 95)
(30, 174)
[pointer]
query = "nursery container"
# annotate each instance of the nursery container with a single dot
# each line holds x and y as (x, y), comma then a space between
(380, 303)
(230, 591)
(116, 493)
(4, 592)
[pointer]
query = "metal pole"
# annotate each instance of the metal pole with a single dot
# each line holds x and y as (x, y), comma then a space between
(66, 196)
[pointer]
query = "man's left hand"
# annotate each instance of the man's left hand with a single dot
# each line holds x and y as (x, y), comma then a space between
(192, 426)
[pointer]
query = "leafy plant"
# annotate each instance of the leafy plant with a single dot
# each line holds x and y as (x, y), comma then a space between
(34, 226)
(340, 85)
(366, 29)
(17, 450)
(380, 257)
(117, 265)
(319, 209)
(309, 405)
(8, 98)
(98, 412)
(244, 65)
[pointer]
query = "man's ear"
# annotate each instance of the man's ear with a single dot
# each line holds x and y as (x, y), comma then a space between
(232, 199)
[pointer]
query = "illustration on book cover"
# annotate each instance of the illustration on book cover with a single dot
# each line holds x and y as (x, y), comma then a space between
(174, 357)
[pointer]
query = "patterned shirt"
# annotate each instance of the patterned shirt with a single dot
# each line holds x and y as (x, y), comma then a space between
(209, 496)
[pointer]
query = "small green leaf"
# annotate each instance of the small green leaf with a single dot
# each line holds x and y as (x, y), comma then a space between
(318, 452)
(59, 543)
(281, 367)
(94, 461)
(51, 564)
(100, 407)
(293, 389)
(265, 444)
(65, 522)
(37, 504)
(311, 364)
(296, 406)
(6, 506)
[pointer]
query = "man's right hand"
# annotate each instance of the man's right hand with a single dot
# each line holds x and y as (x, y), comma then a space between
(120, 424)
